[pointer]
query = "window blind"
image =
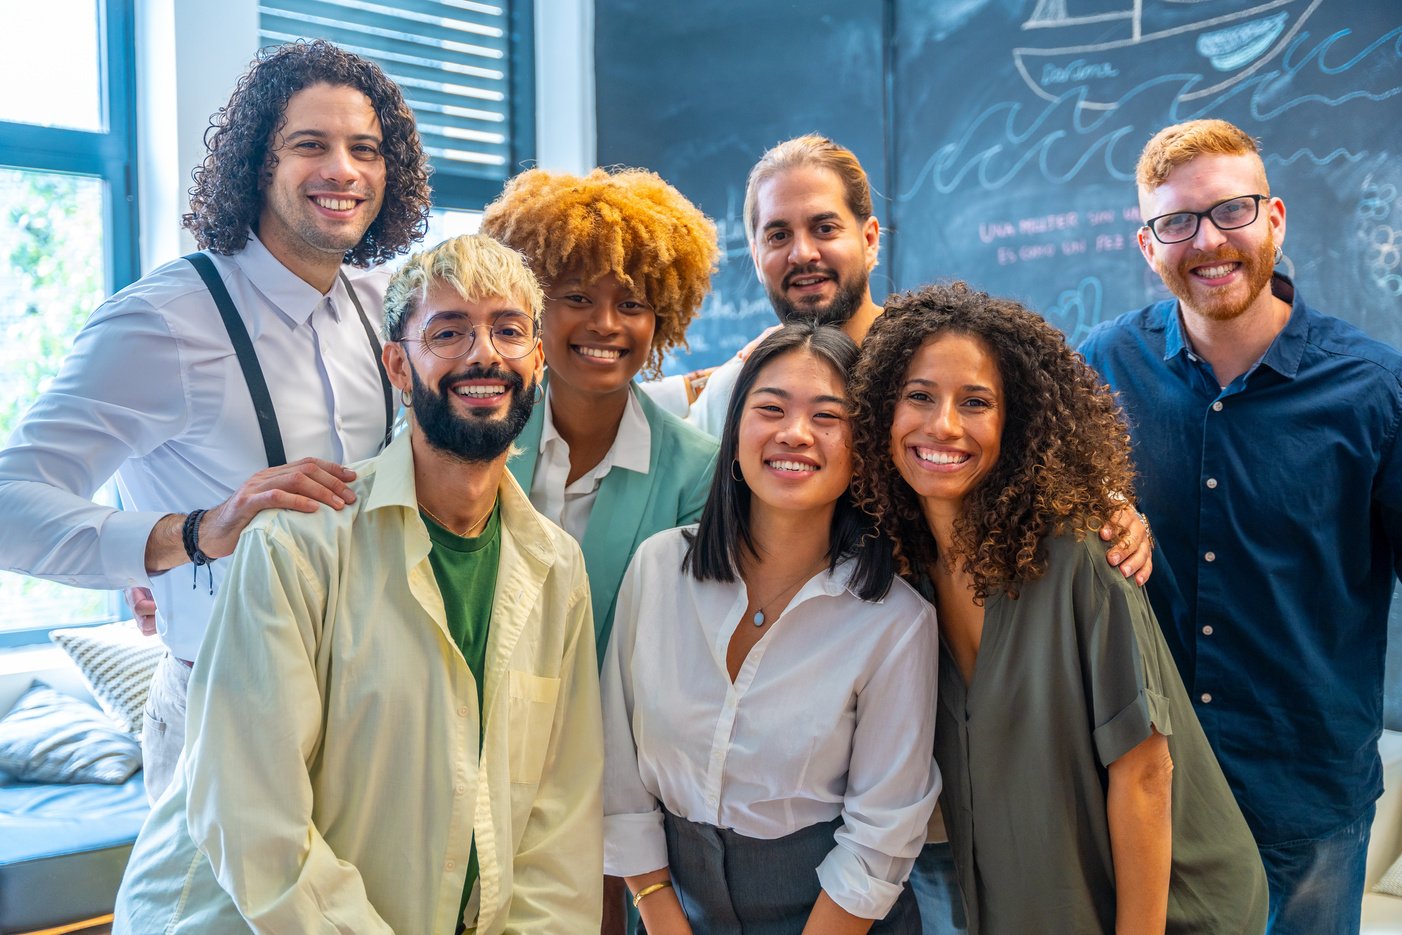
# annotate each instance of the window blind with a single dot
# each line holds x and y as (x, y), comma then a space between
(454, 60)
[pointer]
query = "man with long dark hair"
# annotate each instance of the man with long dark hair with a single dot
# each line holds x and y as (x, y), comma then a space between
(313, 172)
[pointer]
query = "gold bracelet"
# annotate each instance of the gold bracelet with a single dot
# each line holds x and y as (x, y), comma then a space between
(649, 890)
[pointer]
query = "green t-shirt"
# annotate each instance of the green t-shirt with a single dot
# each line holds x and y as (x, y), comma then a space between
(466, 572)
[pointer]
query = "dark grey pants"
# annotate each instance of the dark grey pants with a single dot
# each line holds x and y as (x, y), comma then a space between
(730, 884)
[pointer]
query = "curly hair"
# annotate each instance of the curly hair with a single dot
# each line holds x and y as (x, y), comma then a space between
(1063, 464)
(227, 196)
(627, 222)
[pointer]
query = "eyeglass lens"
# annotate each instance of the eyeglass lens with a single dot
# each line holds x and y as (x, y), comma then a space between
(1227, 215)
(451, 336)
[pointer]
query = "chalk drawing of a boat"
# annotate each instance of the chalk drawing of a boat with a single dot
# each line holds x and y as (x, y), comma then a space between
(1215, 38)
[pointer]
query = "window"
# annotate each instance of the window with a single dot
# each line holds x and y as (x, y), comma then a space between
(466, 69)
(68, 232)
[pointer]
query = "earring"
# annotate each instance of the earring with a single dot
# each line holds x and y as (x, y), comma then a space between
(1279, 255)
(406, 399)
(539, 393)
(735, 471)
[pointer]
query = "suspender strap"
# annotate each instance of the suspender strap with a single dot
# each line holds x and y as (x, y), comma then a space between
(248, 360)
(379, 361)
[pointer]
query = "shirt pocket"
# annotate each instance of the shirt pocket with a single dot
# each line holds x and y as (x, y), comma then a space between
(531, 714)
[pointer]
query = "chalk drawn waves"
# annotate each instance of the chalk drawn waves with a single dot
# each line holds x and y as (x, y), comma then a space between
(1057, 140)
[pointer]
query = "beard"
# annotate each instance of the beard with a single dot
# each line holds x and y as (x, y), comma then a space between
(1227, 303)
(471, 438)
(838, 311)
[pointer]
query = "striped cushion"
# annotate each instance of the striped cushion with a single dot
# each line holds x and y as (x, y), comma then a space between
(116, 661)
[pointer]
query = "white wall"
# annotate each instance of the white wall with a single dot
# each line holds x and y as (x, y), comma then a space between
(190, 53)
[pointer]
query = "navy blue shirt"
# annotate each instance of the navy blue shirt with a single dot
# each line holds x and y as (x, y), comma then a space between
(1275, 508)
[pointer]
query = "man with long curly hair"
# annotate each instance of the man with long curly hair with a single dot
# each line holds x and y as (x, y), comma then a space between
(1267, 437)
(314, 171)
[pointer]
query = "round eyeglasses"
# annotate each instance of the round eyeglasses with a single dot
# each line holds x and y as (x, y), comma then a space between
(451, 335)
(1226, 215)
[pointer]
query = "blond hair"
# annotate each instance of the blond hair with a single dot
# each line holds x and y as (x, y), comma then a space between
(475, 265)
(628, 222)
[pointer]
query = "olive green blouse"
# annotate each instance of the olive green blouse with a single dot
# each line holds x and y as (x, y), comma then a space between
(1071, 675)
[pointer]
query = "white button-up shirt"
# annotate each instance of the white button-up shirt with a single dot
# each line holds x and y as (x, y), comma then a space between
(832, 713)
(571, 505)
(152, 392)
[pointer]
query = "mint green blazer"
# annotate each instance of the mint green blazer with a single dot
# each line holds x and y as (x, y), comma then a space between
(632, 506)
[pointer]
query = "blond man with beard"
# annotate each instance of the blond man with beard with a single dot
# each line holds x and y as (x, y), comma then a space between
(1265, 433)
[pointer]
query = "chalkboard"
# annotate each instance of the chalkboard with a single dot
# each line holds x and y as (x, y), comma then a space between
(1023, 181)
(1001, 138)
(698, 91)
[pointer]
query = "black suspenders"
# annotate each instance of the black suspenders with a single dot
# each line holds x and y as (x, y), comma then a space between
(253, 373)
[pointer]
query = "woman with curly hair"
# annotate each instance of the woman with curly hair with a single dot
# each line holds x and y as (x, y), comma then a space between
(769, 694)
(625, 261)
(1080, 791)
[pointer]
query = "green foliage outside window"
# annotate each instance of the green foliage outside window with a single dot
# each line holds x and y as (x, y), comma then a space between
(52, 262)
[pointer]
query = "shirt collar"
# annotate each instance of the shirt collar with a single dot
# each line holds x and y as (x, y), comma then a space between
(1283, 354)
(291, 295)
(632, 446)
(393, 486)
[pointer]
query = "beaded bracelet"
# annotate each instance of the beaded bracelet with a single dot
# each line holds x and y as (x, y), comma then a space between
(190, 538)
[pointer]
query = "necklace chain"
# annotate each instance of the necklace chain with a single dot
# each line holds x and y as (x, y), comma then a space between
(759, 619)
(467, 533)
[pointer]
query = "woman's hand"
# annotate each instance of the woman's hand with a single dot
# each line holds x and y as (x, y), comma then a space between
(1139, 807)
(661, 911)
(1133, 549)
(828, 918)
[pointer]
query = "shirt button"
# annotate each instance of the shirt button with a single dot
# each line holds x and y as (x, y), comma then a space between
(1209, 556)
(1206, 698)
(1217, 406)
(1207, 630)
(460, 788)
(462, 711)
(1212, 483)
(450, 865)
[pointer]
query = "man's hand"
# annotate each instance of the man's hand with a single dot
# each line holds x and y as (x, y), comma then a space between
(143, 608)
(302, 486)
(1133, 549)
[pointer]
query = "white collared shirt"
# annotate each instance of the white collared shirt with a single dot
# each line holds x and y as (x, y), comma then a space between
(832, 713)
(152, 391)
(570, 506)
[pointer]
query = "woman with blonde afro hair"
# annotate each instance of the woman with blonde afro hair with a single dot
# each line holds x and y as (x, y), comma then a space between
(625, 260)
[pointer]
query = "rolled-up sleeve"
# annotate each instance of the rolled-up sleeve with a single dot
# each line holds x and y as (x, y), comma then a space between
(893, 782)
(118, 395)
(634, 841)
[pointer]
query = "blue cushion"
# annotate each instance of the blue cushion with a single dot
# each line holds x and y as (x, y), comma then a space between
(63, 849)
(52, 737)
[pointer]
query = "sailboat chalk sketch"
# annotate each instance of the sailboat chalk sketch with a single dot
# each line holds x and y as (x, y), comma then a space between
(1222, 48)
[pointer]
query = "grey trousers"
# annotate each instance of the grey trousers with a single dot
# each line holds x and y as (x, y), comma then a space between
(730, 884)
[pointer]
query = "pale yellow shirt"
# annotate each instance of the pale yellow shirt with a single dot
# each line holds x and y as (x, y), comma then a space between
(331, 780)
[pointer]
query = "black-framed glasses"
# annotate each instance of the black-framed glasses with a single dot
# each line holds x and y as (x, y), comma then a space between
(1228, 215)
(451, 335)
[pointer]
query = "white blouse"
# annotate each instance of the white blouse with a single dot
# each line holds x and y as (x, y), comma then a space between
(832, 713)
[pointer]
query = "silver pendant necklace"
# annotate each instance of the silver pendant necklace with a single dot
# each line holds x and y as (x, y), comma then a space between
(759, 619)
